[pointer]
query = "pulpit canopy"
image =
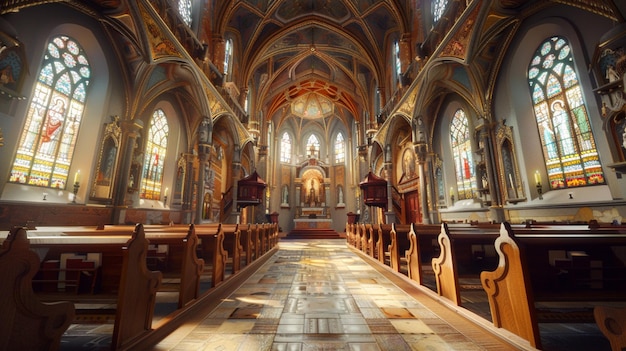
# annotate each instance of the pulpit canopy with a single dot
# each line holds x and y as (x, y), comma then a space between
(250, 190)
(374, 190)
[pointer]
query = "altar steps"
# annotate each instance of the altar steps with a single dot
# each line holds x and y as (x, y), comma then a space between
(313, 233)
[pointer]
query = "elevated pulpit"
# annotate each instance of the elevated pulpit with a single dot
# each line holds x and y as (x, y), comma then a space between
(374, 191)
(250, 190)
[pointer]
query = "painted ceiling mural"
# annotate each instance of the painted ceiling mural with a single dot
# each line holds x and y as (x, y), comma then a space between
(313, 57)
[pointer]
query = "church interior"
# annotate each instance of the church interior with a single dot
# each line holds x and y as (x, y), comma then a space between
(378, 164)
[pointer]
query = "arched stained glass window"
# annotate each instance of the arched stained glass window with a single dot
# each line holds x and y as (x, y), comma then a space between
(184, 9)
(340, 149)
(439, 6)
(54, 115)
(228, 57)
(568, 145)
(156, 148)
(462, 154)
(396, 55)
(313, 146)
(285, 148)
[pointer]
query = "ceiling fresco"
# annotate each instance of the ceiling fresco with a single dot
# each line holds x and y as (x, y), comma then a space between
(293, 45)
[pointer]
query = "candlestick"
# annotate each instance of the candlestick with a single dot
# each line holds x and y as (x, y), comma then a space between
(76, 186)
(537, 178)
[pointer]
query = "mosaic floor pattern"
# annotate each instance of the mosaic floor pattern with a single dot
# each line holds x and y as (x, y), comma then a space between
(319, 295)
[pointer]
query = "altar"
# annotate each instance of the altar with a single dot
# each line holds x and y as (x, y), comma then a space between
(312, 223)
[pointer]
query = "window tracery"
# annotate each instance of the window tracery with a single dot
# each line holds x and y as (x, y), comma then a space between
(156, 148)
(563, 124)
(54, 116)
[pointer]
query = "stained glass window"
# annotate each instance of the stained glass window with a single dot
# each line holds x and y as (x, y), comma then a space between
(313, 146)
(462, 154)
(569, 148)
(156, 148)
(285, 148)
(53, 117)
(340, 149)
(228, 56)
(396, 55)
(439, 6)
(184, 9)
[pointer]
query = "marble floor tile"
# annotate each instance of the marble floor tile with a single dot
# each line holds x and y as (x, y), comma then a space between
(315, 295)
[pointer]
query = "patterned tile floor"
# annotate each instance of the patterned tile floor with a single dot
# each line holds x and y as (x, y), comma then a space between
(320, 295)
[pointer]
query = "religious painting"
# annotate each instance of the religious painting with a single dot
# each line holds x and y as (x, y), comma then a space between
(107, 161)
(12, 66)
(408, 165)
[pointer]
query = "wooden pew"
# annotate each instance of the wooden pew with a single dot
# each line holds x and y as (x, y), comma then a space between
(421, 250)
(372, 239)
(382, 245)
(232, 244)
(455, 244)
(124, 256)
(246, 242)
(26, 322)
(612, 323)
(365, 239)
(518, 283)
(181, 259)
(256, 241)
(212, 248)
(399, 244)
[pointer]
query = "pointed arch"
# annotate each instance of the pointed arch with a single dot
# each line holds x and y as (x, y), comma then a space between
(568, 144)
(54, 116)
(154, 156)
(462, 154)
(286, 145)
(340, 148)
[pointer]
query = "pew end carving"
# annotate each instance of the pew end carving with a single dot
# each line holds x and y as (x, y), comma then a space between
(446, 275)
(612, 323)
(508, 290)
(27, 323)
(135, 307)
(192, 268)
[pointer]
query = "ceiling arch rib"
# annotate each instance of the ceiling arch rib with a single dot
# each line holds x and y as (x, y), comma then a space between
(312, 58)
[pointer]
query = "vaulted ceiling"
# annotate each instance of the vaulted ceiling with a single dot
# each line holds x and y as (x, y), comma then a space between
(316, 51)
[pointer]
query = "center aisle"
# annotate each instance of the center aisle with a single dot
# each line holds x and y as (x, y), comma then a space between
(320, 295)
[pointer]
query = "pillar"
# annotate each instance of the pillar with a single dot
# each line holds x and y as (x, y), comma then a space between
(130, 132)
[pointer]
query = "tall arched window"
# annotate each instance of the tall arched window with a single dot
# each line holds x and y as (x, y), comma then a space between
(313, 146)
(340, 149)
(568, 145)
(396, 56)
(184, 9)
(53, 119)
(285, 148)
(439, 6)
(462, 154)
(156, 148)
(228, 57)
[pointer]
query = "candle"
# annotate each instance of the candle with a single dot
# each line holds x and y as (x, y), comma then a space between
(451, 191)
(537, 178)
(77, 176)
(166, 189)
(511, 180)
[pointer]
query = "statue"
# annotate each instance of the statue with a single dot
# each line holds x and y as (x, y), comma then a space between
(285, 195)
(340, 195)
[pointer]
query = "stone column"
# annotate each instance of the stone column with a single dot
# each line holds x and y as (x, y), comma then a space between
(130, 132)
(390, 215)
(420, 152)
(205, 138)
